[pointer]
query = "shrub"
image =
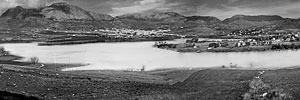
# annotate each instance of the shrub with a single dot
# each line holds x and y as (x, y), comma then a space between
(34, 60)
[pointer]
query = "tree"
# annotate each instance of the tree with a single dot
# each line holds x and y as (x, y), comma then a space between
(143, 68)
(2, 49)
(3, 52)
(34, 60)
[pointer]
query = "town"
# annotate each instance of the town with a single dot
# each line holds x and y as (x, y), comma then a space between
(50, 36)
(240, 41)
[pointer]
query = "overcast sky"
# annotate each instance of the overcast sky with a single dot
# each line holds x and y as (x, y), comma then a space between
(218, 8)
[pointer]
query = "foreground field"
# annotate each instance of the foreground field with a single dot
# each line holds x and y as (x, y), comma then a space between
(168, 84)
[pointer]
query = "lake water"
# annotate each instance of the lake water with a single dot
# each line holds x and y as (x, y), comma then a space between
(137, 54)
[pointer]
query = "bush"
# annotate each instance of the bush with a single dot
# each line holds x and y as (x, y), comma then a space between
(34, 60)
(3, 52)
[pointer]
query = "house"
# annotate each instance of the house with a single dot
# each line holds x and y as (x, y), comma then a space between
(224, 44)
(275, 42)
(214, 45)
(253, 43)
(239, 44)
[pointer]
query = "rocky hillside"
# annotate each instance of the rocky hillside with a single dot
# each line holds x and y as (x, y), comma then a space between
(155, 16)
(56, 11)
(245, 21)
(67, 16)
(179, 24)
(21, 13)
(258, 18)
(209, 19)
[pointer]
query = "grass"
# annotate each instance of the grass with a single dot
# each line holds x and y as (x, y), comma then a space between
(173, 76)
(9, 58)
(286, 79)
(163, 84)
(13, 96)
(114, 75)
(217, 84)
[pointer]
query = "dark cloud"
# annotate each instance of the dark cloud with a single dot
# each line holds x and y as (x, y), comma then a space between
(219, 8)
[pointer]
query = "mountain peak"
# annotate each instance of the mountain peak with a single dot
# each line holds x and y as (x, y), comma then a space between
(239, 16)
(60, 4)
(20, 13)
(57, 11)
(66, 11)
(19, 7)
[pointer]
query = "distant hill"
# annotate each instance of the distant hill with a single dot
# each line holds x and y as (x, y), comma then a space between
(245, 21)
(57, 11)
(66, 16)
(58, 15)
(179, 24)
(155, 16)
(21, 13)
(254, 18)
(209, 19)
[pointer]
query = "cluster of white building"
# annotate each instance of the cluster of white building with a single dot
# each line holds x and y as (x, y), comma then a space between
(133, 32)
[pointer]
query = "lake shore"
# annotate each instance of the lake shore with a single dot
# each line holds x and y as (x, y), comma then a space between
(48, 84)
(206, 48)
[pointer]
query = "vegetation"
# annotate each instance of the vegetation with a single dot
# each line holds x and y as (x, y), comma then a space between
(172, 84)
(13, 96)
(34, 60)
(3, 52)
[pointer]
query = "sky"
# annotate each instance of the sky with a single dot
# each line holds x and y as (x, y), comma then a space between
(219, 8)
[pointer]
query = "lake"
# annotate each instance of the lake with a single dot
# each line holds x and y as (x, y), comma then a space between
(127, 55)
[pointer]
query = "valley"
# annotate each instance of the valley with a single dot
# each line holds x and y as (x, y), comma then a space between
(61, 51)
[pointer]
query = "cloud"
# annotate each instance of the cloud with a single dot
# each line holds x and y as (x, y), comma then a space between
(227, 8)
(138, 6)
(284, 8)
(219, 8)
(6, 4)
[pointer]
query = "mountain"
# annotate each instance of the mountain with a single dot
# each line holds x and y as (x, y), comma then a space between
(245, 21)
(258, 18)
(21, 13)
(179, 24)
(65, 16)
(64, 11)
(57, 11)
(209, 19)
(155, 16)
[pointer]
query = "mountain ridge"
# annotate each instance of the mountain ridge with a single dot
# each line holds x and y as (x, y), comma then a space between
(60, 14)
(57, 11)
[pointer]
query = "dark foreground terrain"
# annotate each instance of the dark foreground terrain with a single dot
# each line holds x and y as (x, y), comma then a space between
(21, 83)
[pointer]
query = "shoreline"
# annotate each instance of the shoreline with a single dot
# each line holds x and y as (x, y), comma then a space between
(61, 67)
(171, 81)
(226, 50)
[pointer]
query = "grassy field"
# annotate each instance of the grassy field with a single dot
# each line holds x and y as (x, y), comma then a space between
(9, 58)
(93, 85)
(164, 84)
(288, 80)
